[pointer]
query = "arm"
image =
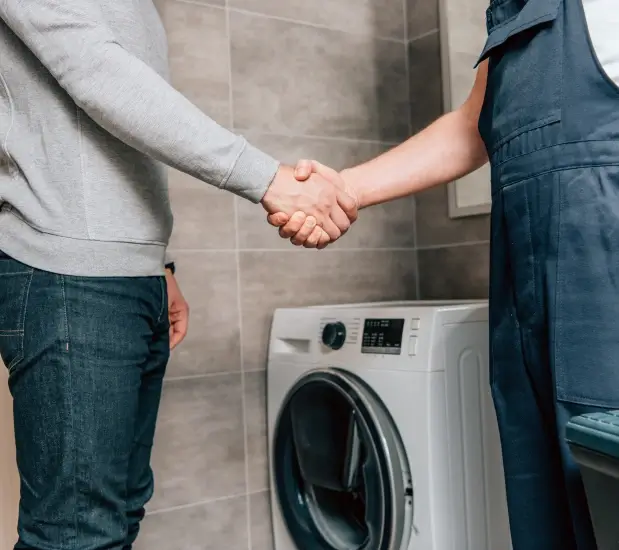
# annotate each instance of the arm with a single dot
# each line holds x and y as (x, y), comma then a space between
(446, 150)
(130, 100)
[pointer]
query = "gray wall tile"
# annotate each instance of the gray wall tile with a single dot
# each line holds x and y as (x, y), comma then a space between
(203, 215)
(369, 17)
(426, 100)
(435, 227)
(390, 225)
(213, 526)
(422, 17)
(255, 417)
(208, 281)
(454, 273)
(261, 528)
(291, 279)
(310, 81)
(198, 53)
(199, 451)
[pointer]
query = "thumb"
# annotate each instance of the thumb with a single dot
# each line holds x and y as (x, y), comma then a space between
(278, 220)
(328, 173)
(303, 170)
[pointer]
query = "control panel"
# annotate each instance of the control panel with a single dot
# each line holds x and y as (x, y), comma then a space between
(379, 336)
(382, 336)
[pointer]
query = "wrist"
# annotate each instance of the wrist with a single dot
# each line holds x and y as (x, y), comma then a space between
(283, 174)
(353, 180)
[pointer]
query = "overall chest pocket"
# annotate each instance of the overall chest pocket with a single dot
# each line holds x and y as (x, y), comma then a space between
(524, 52)
(14, 287)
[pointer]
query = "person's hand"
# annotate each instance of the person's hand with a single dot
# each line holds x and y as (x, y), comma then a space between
(178, 311)
(332, 210)
(300, 228)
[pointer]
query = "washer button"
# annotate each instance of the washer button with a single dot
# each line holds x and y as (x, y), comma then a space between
(414, 324)
(412, 345)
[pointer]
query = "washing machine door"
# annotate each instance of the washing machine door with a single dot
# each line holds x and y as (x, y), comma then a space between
(339, 467)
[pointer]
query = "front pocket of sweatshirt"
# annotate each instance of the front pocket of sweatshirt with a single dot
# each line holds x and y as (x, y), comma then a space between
(125, 192)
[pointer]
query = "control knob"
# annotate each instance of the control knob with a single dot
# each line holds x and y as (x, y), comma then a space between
(334, 335)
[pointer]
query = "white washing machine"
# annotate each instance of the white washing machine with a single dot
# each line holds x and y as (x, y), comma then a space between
(382, 433)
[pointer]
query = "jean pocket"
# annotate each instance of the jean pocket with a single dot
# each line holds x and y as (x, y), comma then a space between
(15, 281)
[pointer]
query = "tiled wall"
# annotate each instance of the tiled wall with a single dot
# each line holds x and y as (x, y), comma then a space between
(327, 79)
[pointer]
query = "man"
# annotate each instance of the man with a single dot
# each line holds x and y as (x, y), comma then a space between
(545, 110)
(87, 120)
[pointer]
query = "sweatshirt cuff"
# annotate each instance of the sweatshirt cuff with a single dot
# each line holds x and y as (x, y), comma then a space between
(252, 174)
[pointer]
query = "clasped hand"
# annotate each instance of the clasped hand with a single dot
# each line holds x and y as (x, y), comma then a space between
(311, 204)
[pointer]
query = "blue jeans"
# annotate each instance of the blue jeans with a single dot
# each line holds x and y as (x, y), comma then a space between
(86, 360)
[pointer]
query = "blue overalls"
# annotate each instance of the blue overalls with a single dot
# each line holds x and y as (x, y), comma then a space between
(550, 122)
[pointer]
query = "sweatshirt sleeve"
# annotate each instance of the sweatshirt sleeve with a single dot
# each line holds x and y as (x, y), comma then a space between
(130, 100)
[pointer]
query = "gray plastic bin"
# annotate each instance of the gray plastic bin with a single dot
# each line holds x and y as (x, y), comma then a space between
(594, 441)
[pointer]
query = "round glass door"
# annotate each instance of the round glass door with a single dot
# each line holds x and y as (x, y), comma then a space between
(339, 467)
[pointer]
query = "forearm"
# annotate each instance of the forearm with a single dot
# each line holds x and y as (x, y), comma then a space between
(445, 151)
(129, 99)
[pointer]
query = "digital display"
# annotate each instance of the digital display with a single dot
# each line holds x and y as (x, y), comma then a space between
(382, 336)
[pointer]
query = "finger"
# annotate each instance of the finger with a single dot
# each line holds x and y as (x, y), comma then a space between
(314, 238)
(303, 170)
(175, 316)
(178, 332)
(348, 205)
(278, 220)
(328, 173)
(340, 219)
(324, 241)
(297, 220)
(304, 232)
(331, 229)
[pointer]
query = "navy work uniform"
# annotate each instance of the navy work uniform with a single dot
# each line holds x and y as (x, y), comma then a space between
(550, 122)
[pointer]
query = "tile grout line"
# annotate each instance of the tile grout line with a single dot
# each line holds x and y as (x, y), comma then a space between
(238, 294)
(207, 501)
(453, 245)
(317, 137)
(201, 376)
(326, 251)
(193, 504)
(291, 250)
(286, 20)
(423, 35)
(210, 375)
(410, 132)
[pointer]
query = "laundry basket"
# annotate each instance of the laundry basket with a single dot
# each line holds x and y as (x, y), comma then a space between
(594, 441)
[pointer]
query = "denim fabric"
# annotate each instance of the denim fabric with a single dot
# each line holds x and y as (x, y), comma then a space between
(86, 360)
(550, 122)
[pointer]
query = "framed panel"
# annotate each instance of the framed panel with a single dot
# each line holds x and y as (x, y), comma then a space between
(463, 34)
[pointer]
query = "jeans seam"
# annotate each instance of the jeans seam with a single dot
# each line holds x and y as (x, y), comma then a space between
(22, 319)
(71, 411)
(164, 298)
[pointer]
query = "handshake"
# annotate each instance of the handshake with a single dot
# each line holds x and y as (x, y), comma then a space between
(311, 204)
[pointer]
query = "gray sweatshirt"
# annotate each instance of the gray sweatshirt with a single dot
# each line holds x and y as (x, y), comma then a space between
(87, 122)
